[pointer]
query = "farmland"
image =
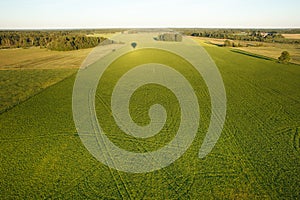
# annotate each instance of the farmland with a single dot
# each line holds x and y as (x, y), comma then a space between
(271, 50)
(291, 36)
(274, 51)
(257, 155)
(37, 58)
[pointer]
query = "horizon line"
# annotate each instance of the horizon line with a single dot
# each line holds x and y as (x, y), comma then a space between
(99, 28)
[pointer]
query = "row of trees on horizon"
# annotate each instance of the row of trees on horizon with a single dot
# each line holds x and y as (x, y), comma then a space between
(53, 40)
(263, 35)
(65, 40)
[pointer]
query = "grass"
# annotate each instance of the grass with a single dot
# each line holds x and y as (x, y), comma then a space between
(25, 72)
(257, 155)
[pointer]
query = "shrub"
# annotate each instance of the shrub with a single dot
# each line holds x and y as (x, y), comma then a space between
(284, 57)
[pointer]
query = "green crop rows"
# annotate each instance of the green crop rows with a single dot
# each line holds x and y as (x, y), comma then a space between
(257, 155)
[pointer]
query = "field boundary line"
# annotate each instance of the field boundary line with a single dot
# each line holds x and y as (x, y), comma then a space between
(296, 140)
(258, 56)
(36, 94)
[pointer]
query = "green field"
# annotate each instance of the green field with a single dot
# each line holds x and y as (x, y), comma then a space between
(257, 155)
(146, 96)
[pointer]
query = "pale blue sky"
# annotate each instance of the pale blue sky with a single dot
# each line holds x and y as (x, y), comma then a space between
(149, 13)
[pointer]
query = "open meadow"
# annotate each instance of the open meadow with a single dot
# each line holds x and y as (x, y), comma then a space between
(43, 157)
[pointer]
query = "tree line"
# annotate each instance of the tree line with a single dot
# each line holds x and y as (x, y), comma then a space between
(263, 35)
(257, 36)
(53, 40)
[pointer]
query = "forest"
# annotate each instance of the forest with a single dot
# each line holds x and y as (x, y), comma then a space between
(59, 40)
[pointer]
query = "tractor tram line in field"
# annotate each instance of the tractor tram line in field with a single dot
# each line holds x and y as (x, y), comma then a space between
(127, 194)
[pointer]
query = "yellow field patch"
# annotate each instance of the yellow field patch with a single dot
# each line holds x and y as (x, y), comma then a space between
(291, 36)
(105, 35)
(36, 58)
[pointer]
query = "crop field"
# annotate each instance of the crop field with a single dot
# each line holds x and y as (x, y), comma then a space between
(291, 36)
(146, 96)
(105, 35)
(36, 58)
(256, 157)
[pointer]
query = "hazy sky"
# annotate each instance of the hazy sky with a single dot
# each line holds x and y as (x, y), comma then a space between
(149, 13)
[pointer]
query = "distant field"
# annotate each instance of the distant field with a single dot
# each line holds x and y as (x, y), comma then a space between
(272, 50)
(211, 40)
(36, 58)
(217, 41)
(105, 35)
(256, 157)
(291, 36)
